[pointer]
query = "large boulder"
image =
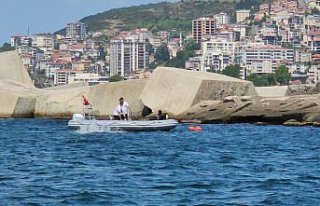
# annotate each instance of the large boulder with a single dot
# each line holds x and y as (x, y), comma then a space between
(60, 103)
(12, 68)
(302, 109)
(176, 90)
(302, 89)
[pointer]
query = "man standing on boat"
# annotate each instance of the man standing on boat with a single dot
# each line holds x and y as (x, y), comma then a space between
(123, 109)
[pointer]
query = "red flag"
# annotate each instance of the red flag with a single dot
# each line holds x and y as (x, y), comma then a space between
(85, 101)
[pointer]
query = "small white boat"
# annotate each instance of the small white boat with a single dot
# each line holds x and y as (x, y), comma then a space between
(79, 122)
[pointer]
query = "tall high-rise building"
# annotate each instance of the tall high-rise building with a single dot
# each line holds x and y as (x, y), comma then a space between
(203, 27)
(128, 55)
(76, 31)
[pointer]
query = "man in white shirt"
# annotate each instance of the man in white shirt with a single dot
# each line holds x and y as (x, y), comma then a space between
(122, 109)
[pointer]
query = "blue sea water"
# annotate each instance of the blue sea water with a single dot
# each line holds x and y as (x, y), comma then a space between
(42, 163)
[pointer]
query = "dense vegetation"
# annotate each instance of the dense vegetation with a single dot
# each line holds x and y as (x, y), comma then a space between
(262, 80)
(162, 16)
(231, 71)
(281, 76)
(162, 56)
(115, 78)
(183, 56)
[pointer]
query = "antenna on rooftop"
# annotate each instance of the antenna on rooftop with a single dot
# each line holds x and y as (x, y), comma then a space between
(28, 31)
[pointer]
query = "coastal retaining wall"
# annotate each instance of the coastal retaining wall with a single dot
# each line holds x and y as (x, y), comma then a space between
(275, 91)
(291, 90)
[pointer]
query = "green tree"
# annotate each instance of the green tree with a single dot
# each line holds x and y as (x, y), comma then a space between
(271, 79)
(282, 75)
(180, 60)
(153, 65)
(258, 80)
(115, 78)
(6, 47)
(162, 53)
(262, 79)
(150, 48)
(232, 71)
(182, 56)
(192, 46)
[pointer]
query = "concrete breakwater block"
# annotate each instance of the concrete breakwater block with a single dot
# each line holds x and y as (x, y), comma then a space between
(25, 107)
(105, 97)
(176, 90)
(12, 68)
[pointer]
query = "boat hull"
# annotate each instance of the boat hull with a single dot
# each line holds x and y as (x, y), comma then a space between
(128, 126)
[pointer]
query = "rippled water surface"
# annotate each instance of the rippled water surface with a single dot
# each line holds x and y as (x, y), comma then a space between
(42, 163)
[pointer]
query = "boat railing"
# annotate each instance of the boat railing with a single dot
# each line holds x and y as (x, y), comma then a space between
(88, 112)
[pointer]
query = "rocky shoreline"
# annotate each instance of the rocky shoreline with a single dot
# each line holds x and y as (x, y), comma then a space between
(301, 110)
(185, 95)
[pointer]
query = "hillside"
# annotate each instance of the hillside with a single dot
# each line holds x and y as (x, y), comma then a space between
(161, 16)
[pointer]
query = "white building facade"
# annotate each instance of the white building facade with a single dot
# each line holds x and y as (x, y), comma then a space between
(265, 59)
(76, 31)
(222, 18)
(128, 56)
(242, 15)
(218, 53)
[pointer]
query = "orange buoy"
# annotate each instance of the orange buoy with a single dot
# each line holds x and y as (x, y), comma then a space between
(195, 128)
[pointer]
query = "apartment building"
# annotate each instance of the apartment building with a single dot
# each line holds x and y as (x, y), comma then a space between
(222, 18)
(203, 28)
(262, 59)
(242, 15)
(76, 31)
(128, 55)
(79, 77)
(45, 42)
(61, 76)
(218, 53)
(314, 74)
(25, 41)
(313, 41)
